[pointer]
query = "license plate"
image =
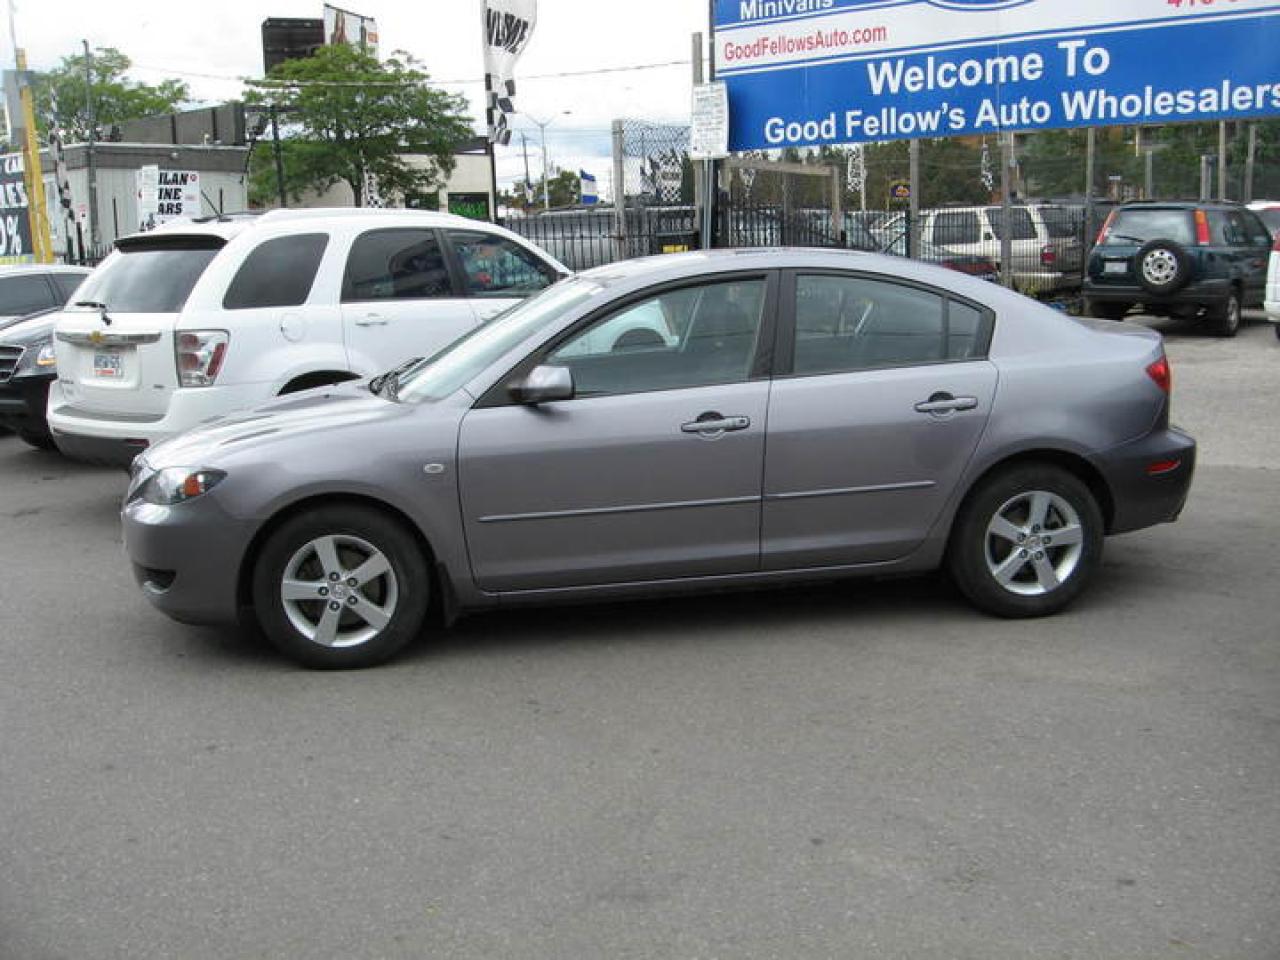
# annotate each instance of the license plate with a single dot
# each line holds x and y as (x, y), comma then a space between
(106, 366)
(1115, 266)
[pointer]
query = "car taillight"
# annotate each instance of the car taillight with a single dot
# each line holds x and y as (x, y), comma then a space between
(1048, 256)
(1106, 228)
(1275, 247)
(1202, 228)
(200, 354)
(1162, 374)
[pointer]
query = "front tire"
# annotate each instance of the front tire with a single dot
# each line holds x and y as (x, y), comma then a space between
(341, 587)
(1026, 542)
(1225, 318)
(41, 441)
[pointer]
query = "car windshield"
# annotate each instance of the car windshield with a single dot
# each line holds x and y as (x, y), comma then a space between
(1139, 226)
(150, 275)
(443, 374)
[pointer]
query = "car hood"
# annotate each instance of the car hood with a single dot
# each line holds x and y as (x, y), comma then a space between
(326, 409)
(24, 331)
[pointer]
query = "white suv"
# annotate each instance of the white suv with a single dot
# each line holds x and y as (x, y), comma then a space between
(194, 320)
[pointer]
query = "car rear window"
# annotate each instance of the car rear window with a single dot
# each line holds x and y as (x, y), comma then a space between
(1139, 226)
(1271, 217)
(150, 274)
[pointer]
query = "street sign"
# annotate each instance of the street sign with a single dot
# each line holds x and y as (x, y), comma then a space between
(709, 130)
(813, 72)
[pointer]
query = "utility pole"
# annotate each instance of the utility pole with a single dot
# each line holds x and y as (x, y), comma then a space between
(1090, 153)
(94, 237)
(1222, 160)
(1006, 208)
(279, 157)
(528, 187)
(1249, 162)
(913, 205)
(546, 167)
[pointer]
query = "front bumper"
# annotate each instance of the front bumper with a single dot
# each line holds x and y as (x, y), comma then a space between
(187, 557)
(22, 404)
(1140, 497)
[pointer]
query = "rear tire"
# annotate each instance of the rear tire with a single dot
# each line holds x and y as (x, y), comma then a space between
(1026, 542)
(341, 587)
(41, 441)
(1225, 318)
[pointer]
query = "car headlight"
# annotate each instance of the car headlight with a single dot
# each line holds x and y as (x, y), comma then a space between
(177, 485)
(46, 356)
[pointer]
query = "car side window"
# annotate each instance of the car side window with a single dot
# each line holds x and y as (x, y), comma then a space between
(1021, 226)
(497, 267)
(396, 264)
(846, 324)
(956, 227)
(689, 337)
(25, 293)
(277, 273)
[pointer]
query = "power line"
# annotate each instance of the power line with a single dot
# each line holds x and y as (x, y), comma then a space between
(268, 82)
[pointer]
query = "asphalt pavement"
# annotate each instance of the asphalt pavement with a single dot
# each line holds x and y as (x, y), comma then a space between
(867, 770)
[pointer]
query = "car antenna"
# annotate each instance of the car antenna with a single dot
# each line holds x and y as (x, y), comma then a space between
(97, 305)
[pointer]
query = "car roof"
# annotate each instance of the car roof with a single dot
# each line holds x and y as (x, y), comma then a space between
(14, 268)
(649, 271)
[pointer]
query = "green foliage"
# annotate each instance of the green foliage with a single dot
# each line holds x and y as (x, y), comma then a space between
(347, 114)
(61, 99)
(564, 188)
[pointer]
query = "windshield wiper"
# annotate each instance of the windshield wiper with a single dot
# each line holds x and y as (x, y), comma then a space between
(96, 305)
(388, 384)
(1125, 236)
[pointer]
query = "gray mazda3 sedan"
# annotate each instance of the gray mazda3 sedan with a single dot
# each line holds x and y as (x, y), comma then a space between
(676, 423)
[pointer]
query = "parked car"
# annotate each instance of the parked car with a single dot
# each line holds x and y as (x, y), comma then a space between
(31, 288)
(1185, 259)
(1268, 211)
(819, 414)
(1272, 297)
(982, 267)
(26, 357)
(1046, 254)
(194, 320)
(27, 366)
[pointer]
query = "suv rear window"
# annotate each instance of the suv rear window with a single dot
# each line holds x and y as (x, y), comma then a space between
(150, 274)
(1139, 226)
(1022, 227)
(1061, 223)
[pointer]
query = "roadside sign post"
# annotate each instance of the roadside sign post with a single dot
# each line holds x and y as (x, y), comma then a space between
(709, 142)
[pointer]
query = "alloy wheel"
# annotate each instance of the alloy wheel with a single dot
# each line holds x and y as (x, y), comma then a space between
(339, 591)
(1034, 543)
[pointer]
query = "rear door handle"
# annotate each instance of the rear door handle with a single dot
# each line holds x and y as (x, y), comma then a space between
(946, 403)
(715, 423)
(371, 320)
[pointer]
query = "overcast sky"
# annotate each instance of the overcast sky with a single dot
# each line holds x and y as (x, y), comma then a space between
(212, 44)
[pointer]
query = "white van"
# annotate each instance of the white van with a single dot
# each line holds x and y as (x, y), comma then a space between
(194, 320)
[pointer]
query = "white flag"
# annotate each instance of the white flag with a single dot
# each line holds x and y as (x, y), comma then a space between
(508, 25)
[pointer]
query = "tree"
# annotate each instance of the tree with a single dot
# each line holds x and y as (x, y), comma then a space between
(565, 190)
(349, 115)
(61, 101)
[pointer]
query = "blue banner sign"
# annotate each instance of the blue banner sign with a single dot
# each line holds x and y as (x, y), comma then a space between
(812, 72)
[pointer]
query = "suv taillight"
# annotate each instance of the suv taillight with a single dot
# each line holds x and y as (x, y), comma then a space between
(1162, 374)
(1048, 256)
(1202, 228)
(1275, 247)
(1106, 228)
(200, 354)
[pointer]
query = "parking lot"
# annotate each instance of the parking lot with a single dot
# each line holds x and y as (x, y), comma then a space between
(866, 770)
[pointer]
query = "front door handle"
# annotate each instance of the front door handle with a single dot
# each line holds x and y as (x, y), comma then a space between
(946, 403)
(713, 423)
(371, 320)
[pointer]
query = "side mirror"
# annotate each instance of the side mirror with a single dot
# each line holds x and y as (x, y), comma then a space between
(543, 385)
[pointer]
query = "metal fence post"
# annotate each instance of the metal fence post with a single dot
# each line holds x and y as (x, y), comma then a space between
(1006, 209)
(619, 192)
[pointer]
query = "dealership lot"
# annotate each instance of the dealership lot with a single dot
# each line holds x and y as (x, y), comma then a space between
(865, 769)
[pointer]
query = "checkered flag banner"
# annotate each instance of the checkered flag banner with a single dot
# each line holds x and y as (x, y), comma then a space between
(508, 25)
